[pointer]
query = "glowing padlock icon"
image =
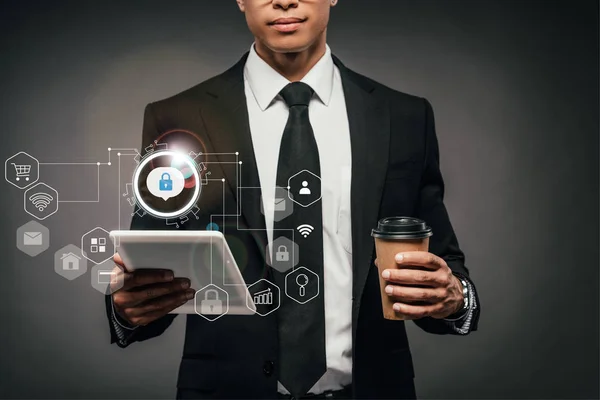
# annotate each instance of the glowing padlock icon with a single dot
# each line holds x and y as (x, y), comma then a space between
(165, 183)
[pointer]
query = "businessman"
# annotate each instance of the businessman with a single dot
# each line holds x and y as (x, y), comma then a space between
(288, 105)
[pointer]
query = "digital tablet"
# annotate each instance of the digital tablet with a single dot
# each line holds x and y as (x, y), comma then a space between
(202, 256)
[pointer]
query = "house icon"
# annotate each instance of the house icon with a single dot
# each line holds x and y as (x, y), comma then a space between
(70, 262)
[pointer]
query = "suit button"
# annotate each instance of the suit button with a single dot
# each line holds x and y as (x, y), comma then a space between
(268, 368)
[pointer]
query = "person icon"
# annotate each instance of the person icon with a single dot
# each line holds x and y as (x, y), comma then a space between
(305, 189)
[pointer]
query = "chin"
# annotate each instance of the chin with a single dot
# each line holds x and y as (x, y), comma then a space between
(288, 44)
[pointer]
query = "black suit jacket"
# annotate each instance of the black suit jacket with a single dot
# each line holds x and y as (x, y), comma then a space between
(395, 171)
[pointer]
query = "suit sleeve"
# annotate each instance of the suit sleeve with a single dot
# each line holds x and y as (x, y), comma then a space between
(120, 332)
(443, 243)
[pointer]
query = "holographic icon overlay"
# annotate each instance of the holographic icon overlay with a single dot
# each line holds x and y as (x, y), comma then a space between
(97, 245)
(280, 206)
(33, 238)
(40, 201)
(21, 170)
(304, 188)
(302, 285)
(285, 254)
(211, 302)
(266, 297)
(69, 262)
(166, 183)
(107, 277)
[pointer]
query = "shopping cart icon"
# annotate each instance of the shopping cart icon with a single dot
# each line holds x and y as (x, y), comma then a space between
(22, 171)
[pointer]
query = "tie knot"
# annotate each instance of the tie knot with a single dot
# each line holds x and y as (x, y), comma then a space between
(297, 94)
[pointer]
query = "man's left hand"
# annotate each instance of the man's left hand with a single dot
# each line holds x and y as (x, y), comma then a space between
(430, 291)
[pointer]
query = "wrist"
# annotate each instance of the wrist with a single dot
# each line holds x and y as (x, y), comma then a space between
(120, 320)
(463, 303)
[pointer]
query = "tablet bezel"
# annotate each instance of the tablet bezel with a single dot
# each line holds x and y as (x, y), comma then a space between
(214, 238)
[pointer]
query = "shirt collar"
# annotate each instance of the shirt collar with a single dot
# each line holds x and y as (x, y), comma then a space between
(266, 83)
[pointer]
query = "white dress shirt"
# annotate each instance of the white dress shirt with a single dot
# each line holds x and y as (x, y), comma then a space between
(268, 114)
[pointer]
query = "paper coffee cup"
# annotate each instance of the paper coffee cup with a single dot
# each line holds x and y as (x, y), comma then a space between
(392, 236)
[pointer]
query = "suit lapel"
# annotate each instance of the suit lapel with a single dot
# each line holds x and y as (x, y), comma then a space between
(225, 115)
(368, 119)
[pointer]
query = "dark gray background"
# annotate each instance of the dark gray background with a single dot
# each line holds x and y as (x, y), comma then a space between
(514, 85)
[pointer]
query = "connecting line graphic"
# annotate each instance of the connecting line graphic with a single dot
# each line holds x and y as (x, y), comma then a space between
(237, 215)
(119, 152)
(98, 164)
(98, 181)
(129, 194)
(130, 201)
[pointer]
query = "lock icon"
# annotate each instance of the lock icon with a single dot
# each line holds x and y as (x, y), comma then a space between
(165, 182)
(211, 306)
(282, 254)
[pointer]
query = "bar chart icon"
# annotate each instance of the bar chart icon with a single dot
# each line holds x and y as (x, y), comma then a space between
(263, 297)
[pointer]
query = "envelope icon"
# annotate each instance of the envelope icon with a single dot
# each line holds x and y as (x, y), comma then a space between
(279, 203)
(32, 238)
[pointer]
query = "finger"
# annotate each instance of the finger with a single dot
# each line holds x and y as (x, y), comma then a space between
(406, 294)
(143, 277)
(164, 303)
(420, 258)
(141, 294)
(411, 277)
(416, 311)
(118, 260)
(149, 317)
(117, 278)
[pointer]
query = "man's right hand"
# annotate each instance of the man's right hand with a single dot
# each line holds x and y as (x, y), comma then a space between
(148, 294)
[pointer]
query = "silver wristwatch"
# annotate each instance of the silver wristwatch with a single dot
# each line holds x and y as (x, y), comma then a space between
(465, 292)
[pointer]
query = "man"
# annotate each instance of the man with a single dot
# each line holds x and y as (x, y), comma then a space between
(289, 105)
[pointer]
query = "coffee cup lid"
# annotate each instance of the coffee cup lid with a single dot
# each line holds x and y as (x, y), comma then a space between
(401, 228)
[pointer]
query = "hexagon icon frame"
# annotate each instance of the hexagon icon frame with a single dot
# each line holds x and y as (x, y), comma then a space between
(86, 253)
(52, 203)
(298, 270)
(289, 187)
(105, 287)
(279, 215)
(294, 254)
(33, 250)
(61, 254)
(29, 183)
(269, 284)
(211, 317)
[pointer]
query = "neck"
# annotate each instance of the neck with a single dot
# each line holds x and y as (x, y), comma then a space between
(293, 66)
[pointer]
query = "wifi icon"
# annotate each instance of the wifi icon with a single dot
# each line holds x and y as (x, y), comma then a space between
(305, 229)
(41, 200)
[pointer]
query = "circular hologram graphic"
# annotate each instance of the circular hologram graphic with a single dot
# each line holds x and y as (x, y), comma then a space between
(162, 194)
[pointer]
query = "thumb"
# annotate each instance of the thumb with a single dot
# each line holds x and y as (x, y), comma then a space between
(118, 260)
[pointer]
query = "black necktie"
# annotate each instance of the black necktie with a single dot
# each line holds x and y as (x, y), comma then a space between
(302, 321)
